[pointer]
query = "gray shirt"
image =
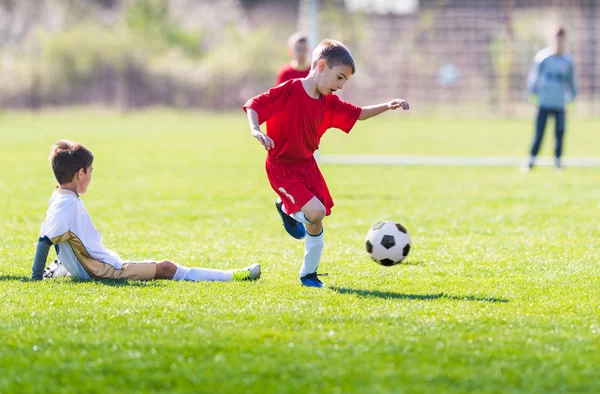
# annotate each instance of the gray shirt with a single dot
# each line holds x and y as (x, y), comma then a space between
(551, 79)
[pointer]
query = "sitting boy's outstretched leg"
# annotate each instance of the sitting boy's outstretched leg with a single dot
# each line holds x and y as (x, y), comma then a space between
(165, 270)
(314, 211)
(168, 270)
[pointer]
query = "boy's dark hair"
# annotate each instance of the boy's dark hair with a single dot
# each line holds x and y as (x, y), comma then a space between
(560, 32)
(68, 157)
(335, 53)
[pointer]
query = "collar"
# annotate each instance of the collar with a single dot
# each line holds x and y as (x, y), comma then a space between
(62, 190)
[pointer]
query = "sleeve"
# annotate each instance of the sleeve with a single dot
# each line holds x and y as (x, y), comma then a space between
(270, 102)
(39, 261)
(534, 75)
(342, 115)
(56, 227)
(571, 81)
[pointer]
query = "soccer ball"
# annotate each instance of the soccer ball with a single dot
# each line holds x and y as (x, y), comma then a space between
(388, 243)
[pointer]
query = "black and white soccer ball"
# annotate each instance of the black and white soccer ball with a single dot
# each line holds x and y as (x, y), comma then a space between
(388, 243)
(55, 270)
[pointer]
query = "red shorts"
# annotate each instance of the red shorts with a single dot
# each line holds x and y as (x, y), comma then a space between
(296, 184)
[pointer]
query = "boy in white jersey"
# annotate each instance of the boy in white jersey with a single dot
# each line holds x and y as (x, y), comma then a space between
(78, 243)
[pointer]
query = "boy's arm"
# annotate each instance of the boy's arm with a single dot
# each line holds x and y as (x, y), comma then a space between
(533, 76)
(261, 108)
(571, 80)
(39, 261)
(264, 139)
(374, 110)
(55, 227)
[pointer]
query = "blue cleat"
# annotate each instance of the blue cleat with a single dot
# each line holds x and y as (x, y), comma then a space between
(291, 225)
(312, 280)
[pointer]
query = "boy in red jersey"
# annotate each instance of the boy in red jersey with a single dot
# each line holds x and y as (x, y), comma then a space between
(299, 67)
(298, 112)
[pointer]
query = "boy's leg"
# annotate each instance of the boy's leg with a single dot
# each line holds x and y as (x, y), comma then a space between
(311, 203)
(559, 133)
(314, 211)
(165, 270)
(168, 270)
(296, 185)
(540, 126)
(196, 274)
(287, 181)
(293, 226)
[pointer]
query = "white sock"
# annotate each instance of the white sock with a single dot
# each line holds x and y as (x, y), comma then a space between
(201, 274)
(299, 216)
(313, 248)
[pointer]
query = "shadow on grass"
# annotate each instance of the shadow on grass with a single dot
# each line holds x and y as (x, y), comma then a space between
(401, 296)
(105, 282)
(17, 278)
(121, 282)
(412, 262)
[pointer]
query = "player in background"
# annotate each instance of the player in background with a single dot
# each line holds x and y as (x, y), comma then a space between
(299, 66)
(78, 243)
(551, 80)
(298, 112)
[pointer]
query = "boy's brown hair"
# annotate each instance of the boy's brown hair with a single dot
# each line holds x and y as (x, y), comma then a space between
(68, 157)
(335, 53)
(297, 37)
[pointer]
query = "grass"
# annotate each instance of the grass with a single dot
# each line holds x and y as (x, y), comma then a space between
(500, 293)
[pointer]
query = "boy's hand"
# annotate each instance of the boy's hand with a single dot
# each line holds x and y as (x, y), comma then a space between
(264, 139)
(398, 103)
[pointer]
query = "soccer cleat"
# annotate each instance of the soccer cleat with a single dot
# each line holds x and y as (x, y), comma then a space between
(55, 270)
(558, 165)
(528, 166)
(312, 280)
(291, 225)
(249, 273)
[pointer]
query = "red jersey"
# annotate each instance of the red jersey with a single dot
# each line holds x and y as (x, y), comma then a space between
(288, 72)
(296, 121)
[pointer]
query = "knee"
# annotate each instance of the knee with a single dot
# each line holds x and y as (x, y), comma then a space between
(165, 270)
(315, 215)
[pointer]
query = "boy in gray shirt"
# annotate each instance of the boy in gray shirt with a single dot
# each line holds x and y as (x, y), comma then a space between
(551, 81)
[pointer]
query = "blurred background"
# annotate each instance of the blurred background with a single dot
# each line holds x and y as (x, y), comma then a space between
(448, 56)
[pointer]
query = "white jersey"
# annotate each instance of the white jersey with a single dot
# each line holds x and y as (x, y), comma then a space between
(69, 226)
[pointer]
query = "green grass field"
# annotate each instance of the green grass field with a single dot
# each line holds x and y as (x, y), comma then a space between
(501, 292)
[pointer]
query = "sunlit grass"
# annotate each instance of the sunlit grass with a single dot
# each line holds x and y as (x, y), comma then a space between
(500, 292)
